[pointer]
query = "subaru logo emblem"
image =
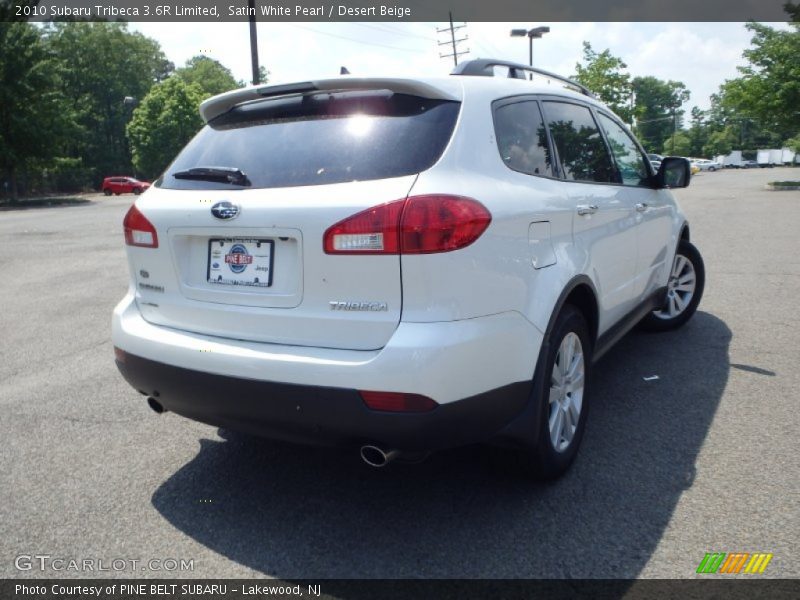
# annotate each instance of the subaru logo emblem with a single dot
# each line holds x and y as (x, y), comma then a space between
(225, 210)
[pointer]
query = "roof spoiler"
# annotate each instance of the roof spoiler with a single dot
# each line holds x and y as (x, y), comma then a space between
(484, 67)
(217, 105)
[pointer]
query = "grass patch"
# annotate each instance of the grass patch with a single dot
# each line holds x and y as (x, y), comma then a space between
(785, 183)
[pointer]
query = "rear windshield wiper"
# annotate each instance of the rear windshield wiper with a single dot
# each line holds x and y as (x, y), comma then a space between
(220, 174)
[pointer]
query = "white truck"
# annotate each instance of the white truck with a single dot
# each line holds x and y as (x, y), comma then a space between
(768, 158)
(788, 156)
(732, 160)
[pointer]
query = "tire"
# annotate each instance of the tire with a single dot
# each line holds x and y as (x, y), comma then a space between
(685, 290)
(137, 191)
(107, 192)
(712, 169)
(561, 390)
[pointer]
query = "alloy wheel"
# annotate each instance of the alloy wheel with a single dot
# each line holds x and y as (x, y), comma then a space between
(566, 392)
(680, 289)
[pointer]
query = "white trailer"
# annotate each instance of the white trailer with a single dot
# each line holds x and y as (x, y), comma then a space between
(732, 160)
(788, 157)
(776, 157)
(764, 158)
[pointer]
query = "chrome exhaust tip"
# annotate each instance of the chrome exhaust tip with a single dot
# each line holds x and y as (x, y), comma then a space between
(377, 457)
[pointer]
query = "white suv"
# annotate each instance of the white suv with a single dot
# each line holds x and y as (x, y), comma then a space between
(402, 265)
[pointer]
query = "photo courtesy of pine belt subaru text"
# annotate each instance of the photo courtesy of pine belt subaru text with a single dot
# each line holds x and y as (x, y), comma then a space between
(402, 265)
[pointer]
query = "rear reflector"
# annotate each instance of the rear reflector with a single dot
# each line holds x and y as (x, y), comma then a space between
(120, 355)
(138, 230)
(417, 225)
(397, 402)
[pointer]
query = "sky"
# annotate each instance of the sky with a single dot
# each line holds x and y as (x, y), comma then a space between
(701, 55)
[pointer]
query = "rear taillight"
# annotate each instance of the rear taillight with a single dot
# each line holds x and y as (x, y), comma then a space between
(416, 225)
(372, 231)
(138, 230)
(398, 402)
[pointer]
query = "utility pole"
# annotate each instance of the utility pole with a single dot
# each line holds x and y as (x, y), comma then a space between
(253, 41)
(453, 41)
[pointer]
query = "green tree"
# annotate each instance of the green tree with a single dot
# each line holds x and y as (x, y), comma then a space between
(263, 77)
(604, 74)
(163, 123)
(720, 142)
(31, 115)
(697, 132)
(209, 75)
(103, 64)
(677, 144)
(657, 108)
(768, 89)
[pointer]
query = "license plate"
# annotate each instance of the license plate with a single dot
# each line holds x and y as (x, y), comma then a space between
(244, 262)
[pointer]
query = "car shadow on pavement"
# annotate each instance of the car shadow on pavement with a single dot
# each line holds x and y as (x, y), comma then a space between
(297, 512)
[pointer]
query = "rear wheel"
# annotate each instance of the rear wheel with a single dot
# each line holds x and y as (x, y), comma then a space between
(684, 291)
(107, 192)
(562, 384)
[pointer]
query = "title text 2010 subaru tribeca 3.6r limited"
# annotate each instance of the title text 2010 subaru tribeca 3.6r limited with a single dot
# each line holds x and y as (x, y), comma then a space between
(402, 265)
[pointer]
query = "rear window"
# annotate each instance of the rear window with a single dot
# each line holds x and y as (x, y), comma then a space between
(318, 139)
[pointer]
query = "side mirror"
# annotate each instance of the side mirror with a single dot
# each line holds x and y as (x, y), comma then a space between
(675, 172)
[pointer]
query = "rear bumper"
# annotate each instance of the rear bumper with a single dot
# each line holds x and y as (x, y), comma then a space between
(477, 370)
(321, 415)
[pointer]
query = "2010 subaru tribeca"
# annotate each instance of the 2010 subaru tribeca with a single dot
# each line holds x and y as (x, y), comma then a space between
(402, 265)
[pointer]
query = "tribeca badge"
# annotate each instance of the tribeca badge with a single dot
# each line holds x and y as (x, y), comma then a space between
(734, 563)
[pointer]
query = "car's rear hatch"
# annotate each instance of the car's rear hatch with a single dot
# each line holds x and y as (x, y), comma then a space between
(290, 168)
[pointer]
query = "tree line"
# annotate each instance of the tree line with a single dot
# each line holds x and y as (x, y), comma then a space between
(758, 109)
(80, 101)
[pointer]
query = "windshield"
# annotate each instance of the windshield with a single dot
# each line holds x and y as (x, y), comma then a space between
(317, 139)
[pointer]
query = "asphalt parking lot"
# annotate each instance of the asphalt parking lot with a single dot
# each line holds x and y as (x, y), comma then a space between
(703, 459)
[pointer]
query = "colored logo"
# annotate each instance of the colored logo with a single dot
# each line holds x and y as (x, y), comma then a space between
(225, 210)
(238, 258)
(734, 563)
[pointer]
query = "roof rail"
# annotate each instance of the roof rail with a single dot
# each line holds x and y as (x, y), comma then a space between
(482, 67)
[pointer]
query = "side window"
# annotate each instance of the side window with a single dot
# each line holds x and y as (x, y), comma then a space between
(522, 139)
(629, 160)
(581, 149)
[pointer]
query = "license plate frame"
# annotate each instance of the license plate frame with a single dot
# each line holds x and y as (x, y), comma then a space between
(226, 276)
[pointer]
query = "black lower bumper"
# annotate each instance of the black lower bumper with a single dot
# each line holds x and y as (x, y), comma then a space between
(321, 415)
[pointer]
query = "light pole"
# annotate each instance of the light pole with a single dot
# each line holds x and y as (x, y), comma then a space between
(253, 42)
(536, 32)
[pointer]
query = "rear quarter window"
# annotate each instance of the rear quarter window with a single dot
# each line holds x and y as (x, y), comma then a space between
(522, 138)
(320, 138)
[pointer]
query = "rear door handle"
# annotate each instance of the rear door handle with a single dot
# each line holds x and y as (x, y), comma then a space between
(641, 206)
(587, 209)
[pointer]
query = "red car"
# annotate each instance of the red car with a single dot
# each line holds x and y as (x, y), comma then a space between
(123, 185)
